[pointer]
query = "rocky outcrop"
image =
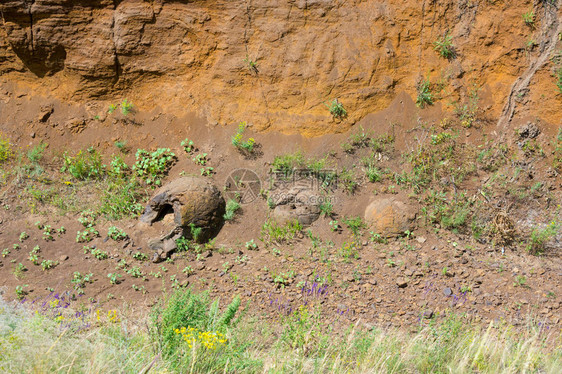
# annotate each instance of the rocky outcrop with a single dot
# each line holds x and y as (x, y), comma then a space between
(271, 63)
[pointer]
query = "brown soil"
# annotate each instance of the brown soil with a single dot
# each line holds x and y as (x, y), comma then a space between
(182, 64)
(393, 283)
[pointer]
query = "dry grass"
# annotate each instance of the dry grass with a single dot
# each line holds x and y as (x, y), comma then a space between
(33, 343)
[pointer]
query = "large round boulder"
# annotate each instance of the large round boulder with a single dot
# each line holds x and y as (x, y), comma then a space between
(390, 217)
(183, 207)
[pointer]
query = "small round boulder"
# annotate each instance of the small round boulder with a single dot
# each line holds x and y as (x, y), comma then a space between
(390, 217)
(296, 203)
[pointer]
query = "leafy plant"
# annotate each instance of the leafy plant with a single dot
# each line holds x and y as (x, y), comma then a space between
(187, 309)
(87, 235)
(19, 269)
(520, 281)
(195, 232)
(381, 143)
(373, 173)
(187, 145)
(79, 281)
(529, 18)
(114, 278)
(346, 178)
(119, 167)
(200, 159)
(251, 245)
(135, 272)
(252, 65)
(354, 224)
(467, 112)
(140, 256)
(116, 233)
(20, 292)
(48, 233)
(444, 46)
(23, 236)
(153, 166)
(35, 154)
(121, 145)
(207, 171)
(377, 238)
(88, 218)
(243, 145)
(336, 109)
(188, 270)
(48, 264)
(285, 166)
(358, 140)
(182, 244)
(96, 252)
(284, 279)
(33, 257)
(326, 208)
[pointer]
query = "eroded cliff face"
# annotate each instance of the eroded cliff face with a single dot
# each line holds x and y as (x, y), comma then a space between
(187, 56)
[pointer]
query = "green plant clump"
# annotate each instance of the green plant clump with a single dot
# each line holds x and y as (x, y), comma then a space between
(272, 232)
(336, 109)
(444, 46)
(243, 145)
(188, 145)
(285, 166)
(5, 149)
(188, 309)
(116, 233)
(232, 206)
(355, 225)
(85, 165)
(425, 96)
(126, 107)
(540, 236)
(122, 198)
(153, 166)
(529, 18)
